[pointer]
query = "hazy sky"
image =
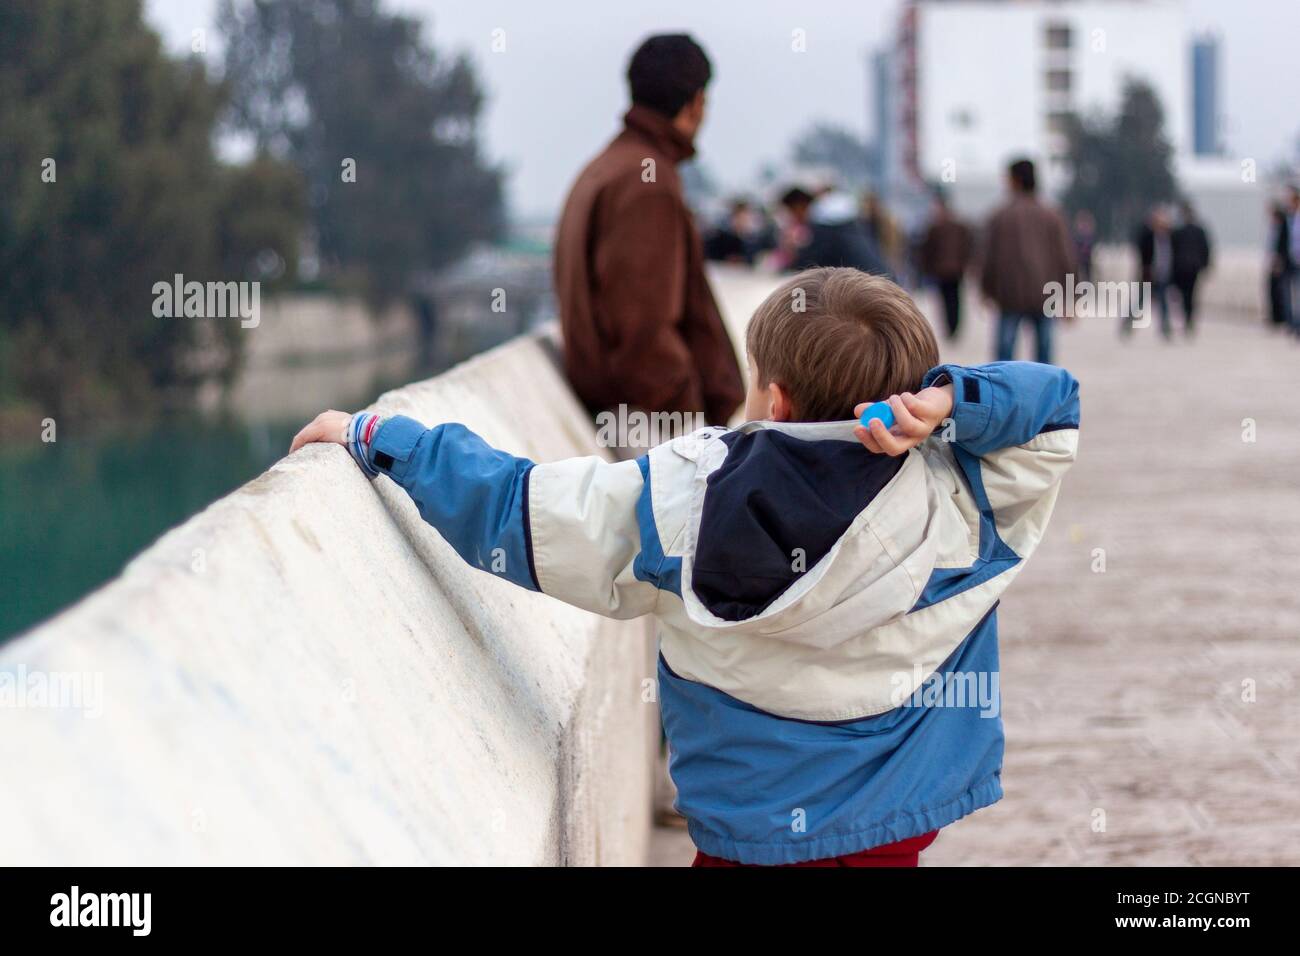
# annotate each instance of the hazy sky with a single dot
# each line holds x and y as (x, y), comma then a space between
(557, 91)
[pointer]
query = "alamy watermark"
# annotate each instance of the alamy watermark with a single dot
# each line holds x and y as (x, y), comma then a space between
(21, 689)
(132, 911)
(208, 300)
(955, 689)
(1115, 300)
(633, 428)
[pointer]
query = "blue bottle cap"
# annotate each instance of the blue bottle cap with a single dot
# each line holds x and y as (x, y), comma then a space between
(879, 410)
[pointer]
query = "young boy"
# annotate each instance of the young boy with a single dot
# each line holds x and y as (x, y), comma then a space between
(827, 612)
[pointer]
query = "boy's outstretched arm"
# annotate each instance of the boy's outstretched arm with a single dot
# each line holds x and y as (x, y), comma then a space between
(567, 528)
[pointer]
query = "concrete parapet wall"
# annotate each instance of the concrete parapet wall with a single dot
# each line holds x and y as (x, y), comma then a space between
(306, 673)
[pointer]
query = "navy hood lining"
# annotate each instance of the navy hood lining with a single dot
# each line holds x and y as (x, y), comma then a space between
(774, 493)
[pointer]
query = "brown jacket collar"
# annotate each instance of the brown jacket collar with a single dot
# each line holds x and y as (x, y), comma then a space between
(660, 131)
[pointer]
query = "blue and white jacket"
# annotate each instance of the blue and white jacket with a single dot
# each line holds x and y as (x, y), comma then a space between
(827, 617)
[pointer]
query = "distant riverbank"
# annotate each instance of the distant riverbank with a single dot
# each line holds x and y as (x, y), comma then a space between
(75, 510)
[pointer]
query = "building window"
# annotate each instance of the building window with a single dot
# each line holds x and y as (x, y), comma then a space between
(1058, 81)
(1058, 124)
(1057, 36)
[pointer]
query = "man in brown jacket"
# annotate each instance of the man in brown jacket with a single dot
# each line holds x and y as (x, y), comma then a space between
(640, 324)
(1026, 246)
(945, 255)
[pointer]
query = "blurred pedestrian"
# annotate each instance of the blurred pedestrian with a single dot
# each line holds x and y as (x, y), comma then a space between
(794, 229)
(884, 232)
(945, 254)
(1191, 256)
(1279, 279)
(1156, 264)
(1292, 274)
(1085, 241)
(831, 233)
(738, 239)
(1026, 247)
(640, 324)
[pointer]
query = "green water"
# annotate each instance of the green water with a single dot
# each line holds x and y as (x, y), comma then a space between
(74, 511)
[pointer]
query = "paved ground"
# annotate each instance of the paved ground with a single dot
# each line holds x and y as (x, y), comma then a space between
(1151, 707)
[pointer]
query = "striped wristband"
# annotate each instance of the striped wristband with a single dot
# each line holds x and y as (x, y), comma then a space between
(361, 432)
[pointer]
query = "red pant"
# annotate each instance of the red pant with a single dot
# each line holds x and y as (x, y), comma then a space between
(902, 853)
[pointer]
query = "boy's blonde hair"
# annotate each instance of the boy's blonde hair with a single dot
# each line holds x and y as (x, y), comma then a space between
(832, 338)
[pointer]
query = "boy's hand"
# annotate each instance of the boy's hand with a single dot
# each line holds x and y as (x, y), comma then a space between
(915, 417)
(327, 426)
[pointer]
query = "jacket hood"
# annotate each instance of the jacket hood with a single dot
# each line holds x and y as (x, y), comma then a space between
(798, 531)
(834, 209)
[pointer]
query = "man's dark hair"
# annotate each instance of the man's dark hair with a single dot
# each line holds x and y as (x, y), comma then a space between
(666, 72)
(1022, 174)
(796, 196)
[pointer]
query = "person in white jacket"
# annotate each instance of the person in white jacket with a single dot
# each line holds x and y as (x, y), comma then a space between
(825, 592)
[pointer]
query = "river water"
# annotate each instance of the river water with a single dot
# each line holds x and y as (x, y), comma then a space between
(74, 511)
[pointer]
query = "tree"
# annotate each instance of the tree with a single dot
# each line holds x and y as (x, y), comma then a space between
(1121, 165)
(824, 144)
(111, 185)
(383, 129)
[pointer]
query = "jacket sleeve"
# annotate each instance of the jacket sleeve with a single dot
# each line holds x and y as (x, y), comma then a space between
(716, 365)
(925, 251)
(1015, 429)
(475, 496)
(718, 368)
(1065, 263)
(640, 263)
(586, 527)
(989, 258)
(568, 529)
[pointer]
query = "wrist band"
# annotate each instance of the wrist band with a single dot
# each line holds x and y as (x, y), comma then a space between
(361, 432)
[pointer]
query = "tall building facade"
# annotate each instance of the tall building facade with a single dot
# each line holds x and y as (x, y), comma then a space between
(1205, 96)
(974, 83)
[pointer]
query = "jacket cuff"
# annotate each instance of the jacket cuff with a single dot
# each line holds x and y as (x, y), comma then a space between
(393, 444)
(972, 405)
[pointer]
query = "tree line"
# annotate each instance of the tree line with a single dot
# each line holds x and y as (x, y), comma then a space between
(362, 149)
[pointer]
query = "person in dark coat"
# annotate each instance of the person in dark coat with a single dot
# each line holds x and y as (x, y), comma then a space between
(739, 239)
(1156, 262)
(1279, 287)
(1290, 260)
(1026, 247)
(945, 254)
(1190, 245)
(640, 325)
(835, 236)
(1084, 235)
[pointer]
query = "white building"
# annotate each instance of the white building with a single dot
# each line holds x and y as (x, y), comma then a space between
(968, 85)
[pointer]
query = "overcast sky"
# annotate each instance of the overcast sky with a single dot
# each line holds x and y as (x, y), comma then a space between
(556, 93)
